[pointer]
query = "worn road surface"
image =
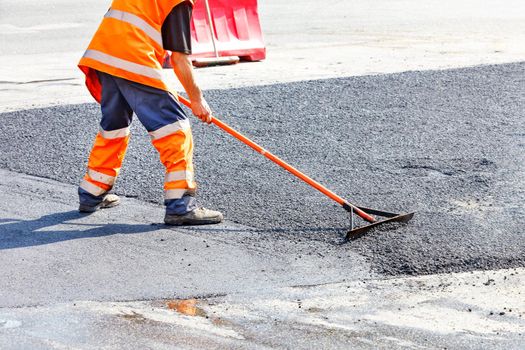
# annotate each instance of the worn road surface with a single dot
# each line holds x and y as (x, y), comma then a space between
(449, 145)
(401, 105)
(120, 280)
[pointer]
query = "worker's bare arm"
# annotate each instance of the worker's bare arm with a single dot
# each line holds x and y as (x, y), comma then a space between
(184, 71)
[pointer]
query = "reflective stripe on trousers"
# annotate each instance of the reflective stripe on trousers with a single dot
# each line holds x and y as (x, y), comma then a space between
(168, 127)
(105, 161)
(177, 161)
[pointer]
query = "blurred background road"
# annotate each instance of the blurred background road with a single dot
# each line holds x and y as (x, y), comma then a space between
(42, 41)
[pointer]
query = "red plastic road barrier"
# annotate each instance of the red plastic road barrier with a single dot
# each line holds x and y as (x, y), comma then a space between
(236, 26)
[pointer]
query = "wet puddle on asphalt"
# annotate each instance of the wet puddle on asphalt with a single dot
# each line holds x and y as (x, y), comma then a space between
(167, 311)
(190, 307)
(186, 307)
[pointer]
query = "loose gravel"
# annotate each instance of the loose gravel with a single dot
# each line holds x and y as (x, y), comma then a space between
(449, 145)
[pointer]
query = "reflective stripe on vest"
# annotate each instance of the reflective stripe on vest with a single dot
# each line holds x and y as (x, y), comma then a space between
(123, 64)
(128, 44)
(137, 22)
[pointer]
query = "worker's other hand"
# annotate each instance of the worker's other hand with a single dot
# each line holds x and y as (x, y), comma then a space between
(201, 110)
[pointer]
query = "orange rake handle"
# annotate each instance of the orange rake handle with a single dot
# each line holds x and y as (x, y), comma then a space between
(346, 205)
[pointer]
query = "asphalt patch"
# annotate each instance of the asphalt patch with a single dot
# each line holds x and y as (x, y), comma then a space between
(449, 145)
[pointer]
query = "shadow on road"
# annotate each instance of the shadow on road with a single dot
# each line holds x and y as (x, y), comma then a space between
(334, 236)
(16, 233)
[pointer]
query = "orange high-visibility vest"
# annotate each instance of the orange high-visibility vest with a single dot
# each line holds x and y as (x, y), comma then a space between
(128, 44)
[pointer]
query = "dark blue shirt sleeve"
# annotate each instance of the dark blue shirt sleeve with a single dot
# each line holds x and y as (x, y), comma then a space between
(176, 30)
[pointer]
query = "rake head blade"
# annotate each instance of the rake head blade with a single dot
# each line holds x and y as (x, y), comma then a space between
(389, 217)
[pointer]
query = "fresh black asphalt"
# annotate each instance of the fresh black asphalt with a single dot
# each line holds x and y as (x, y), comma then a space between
(449, 145)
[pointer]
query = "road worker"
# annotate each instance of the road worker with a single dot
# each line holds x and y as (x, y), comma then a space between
(124, 74)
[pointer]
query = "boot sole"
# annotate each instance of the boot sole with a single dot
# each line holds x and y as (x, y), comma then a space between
(87, 209)
(187, 222)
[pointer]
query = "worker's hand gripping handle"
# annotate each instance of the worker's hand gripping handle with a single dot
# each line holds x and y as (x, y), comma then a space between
(187, 103)
(346, 205)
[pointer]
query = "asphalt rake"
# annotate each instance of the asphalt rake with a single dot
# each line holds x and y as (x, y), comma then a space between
(367, 214)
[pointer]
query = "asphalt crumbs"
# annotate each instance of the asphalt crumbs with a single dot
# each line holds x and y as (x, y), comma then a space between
(449, 145)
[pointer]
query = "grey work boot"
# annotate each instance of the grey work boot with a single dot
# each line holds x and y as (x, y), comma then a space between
(109, 201)
(199, 216)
